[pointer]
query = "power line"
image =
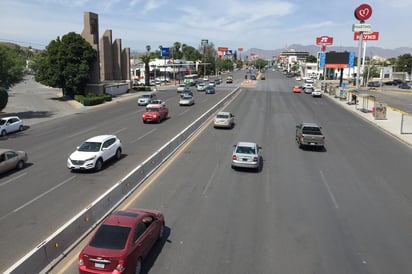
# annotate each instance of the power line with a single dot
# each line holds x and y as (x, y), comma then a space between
(22, 42)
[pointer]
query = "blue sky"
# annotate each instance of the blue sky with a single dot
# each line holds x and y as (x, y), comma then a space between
(263, 24)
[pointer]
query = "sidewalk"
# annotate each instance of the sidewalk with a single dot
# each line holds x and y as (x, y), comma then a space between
(393, 123)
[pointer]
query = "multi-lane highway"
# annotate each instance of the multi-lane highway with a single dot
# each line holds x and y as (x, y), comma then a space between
(37, 200)
(343, 210)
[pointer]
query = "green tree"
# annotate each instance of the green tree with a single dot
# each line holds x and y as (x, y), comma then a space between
(66, 63)
(311, 59)
(259, 63)
(4, 98)
(404, 63)
(12, 64)
(227, 65)
(146, 58)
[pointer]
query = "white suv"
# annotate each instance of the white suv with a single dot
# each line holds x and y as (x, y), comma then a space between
(92, 153)
(145, 99)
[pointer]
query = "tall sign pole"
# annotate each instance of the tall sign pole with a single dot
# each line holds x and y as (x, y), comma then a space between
(362, 13)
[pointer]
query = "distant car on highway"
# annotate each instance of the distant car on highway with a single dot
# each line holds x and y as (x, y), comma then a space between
(186, 100)
(229, 79)
(10, 124)
(317, 93)
(155, 113)
(246, 155)
(201, 86)
(12, 159)
(145, 99)
(181, 88)
(210, 90)
(93, 152)
(224, 119)
(122, 242)
(297, 89)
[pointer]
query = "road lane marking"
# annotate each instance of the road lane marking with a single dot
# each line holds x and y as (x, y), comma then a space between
(184, 112)
(209, 183)
(144, 135)
(37, 198)
(12, 179)
(119, 130)
(81, 132)
(335, 203)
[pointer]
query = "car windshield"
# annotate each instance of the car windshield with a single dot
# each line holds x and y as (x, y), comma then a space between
(245, 150)
(311, 130)
(90, 146)
(223, 116)
(111, 237)
(152, 109)
(146, 96)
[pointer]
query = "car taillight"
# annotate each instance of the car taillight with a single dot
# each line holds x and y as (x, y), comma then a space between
(234, 157)
(81, 261)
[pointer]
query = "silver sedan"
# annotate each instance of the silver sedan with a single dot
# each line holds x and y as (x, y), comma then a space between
(246, 155)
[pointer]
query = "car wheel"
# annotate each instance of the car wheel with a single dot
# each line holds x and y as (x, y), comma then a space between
(118, 153)
(21, 128)
(144, 122)
(138, 267)
(98, 165)
(20, 165)
(3, 133)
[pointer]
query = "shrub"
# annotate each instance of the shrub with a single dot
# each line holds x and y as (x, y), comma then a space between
(4, 98)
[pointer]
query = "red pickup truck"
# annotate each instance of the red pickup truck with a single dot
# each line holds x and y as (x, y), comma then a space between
(155, 113)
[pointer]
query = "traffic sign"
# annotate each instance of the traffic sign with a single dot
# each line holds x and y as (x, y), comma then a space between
(204, 42)
(361, 27)
(164, 52)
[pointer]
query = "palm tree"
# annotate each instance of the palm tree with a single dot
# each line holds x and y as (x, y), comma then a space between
(146, 58)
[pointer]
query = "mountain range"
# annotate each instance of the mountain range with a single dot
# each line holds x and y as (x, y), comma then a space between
(313, 49)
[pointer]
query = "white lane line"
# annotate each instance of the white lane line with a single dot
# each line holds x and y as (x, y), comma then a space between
(328, 188)
(12, 179)
(81, 132)
(120, 130)
(144, 135)
(184, 112)
(37, 198)
(209, 183)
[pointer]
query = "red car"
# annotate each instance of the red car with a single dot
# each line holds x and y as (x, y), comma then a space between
(122, 241)
(155, 113)
(297, 89)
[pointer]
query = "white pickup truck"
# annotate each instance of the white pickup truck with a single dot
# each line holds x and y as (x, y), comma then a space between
(310, 134)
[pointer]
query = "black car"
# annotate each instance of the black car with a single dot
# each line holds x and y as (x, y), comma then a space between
(374, 84)
(210, 90)
(404, 86)
(394, 82)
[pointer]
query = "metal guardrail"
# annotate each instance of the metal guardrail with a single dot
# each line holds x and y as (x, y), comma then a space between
(53, 249)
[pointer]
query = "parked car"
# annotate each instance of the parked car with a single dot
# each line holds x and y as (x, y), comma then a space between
(93, 152)
(309, 134)
(186, 100)
(10, 124)
(297, 89)
(374, 84)
(122, 242)
(404, 86)
(145, 99)
(317, 93)
(246, 155)
(12, 159)
(224, 119)
(394, 82)
(155, 113)
(210, 90)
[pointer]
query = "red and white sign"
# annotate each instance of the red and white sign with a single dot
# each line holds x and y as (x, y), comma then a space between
(363, 12)
(223, 49)
(324, 40)
(367, 36)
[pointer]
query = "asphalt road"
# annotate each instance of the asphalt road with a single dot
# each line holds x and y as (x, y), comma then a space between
(37, 200)
(343, 210)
